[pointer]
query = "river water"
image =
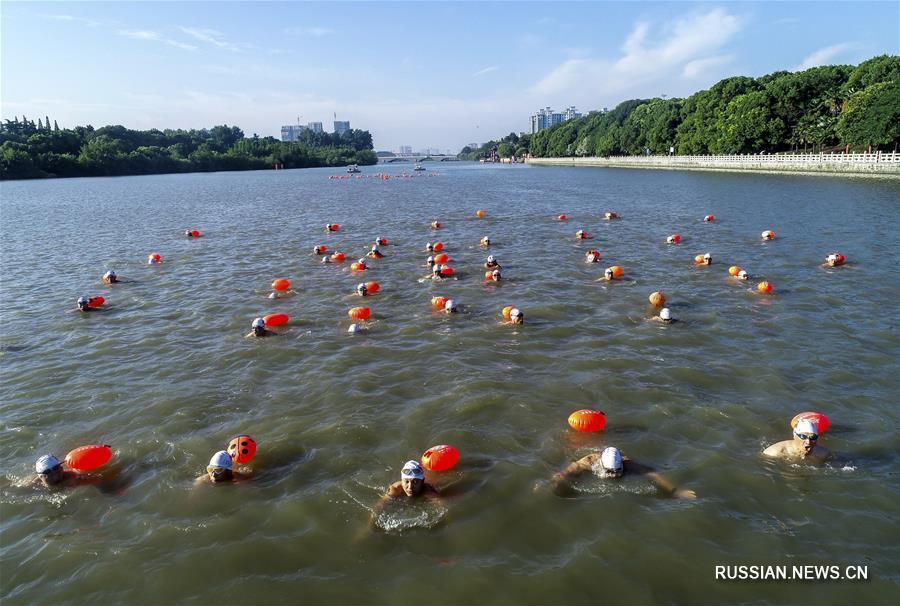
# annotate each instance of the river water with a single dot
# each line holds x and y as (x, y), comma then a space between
(164, 374)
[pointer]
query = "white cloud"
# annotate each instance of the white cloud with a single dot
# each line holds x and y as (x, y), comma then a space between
(316, 32)
(210, 36)
(154, 37)
(653, 58)
(824, 55)
(73, 19)
(486, 70)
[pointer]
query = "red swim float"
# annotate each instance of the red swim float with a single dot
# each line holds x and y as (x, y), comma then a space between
(561, 218)
(338, 256)
(276, 319)
(818, 418)
(674, 239)
(356, 266)
(441, 258)
(96, 302)
(281, 284)
(440, 458)
(764, 287)
(85, 458)
(333, 227)
(372, 287)
(242, 448)
(709, 218)
(154, 258)
(438, 247)
(587, 420)
(446, 270)
(359, 313)
(438, 302)
(479, 213)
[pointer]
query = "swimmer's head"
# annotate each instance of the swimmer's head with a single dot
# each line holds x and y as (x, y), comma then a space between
(707, 258)
(220, 467)
(450, 306)
(429, 246)
(608, 273)
(375, 248)
(491, 259)
(354, 328)
(436, 269)
(259, 326)
(807, 433)
(611, 462)
(110, 276)
(361, 261)
(361, 289)
(83, 304)
(665, 314)
(326, 259)
(429, 261)
(495, 275)
(381, 240)
(49, 469)
(318, 250)
(412, 477)
(743, 275)
(273, 295)
(486, 241)
(516, 316)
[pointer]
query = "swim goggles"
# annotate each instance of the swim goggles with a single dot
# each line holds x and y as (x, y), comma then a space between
(812, 437)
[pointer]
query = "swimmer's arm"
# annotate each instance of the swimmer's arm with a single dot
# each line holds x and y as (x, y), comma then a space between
(575, 469)
(775, 450)
(660, 481)
(200, 480)
(392, 492)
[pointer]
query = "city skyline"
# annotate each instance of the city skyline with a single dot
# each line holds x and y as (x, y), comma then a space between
(438, 77)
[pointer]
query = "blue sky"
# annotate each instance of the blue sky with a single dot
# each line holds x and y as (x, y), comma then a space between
(424, 74)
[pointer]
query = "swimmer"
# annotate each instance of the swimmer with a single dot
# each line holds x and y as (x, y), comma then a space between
(220, 469)
(259, 329)
(610, 216)
(592, 256)
(491, 263)
(319, 250)
(84, 304)
(429, 262)
(329, 227)
(375, 253)
(429, 247)
(665, 316)
(608, 274)
(381, 241)
(411, 485)
(49, 472)
(362, 290)
(495, 276)
(435, 272)
(452, 307)
(485, 241)
(109, 277)
(435, 225)
(361, 262)
(704, 260)
(742, 275)
(190, 233)
(581, 235)
(609, 465)
(803, 445)
(516, 316)
(834, 260)
(355, 328)
(326, 259)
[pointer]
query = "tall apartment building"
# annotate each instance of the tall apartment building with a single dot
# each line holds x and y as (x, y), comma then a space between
(546, 117)
(315, 127)
(290, 132)
(340, 127)
(405, 150)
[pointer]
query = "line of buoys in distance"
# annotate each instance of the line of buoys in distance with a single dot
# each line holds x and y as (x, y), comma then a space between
(440, 458)
(276, 319)
(818, 418)
(242, 448)
(85, 458)
(281, 284)
(359, 313)
(764, 287)
(587, 420)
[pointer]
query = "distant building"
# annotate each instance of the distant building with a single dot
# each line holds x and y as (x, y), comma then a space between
(340, 127)
(546, 117)
(291, 132)
(405, 150)
(315, 127)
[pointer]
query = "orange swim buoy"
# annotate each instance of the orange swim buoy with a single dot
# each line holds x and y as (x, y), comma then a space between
(818, 418)
(359, 313)
(281, 284)
(357, 266)
(734, 270)
(440, 458)
(768, 235)
(506, 311)
(674, 239)
(338, 256)
(438, 302)
(561, 218)
(446, 270)
(154, 258)
(96, 301)
(372, 287)
(479, 213)
(657, 299)
(616, 271)
(441, 258)
(193, 233)
(709, 218)
(241, 448)
(437, 246)
(381, 241)
(333, 227)
(764, 287)
(587, 420)
(88, 457)
(275, 319)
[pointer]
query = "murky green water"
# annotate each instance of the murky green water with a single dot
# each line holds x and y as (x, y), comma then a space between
(164, 374)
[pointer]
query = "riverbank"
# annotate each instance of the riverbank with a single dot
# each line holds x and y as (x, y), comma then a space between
(866, 165)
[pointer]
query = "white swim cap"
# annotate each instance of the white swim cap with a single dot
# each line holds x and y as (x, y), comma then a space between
(450, 305)
(361, 261)
(82, 300)
(221, 459)
(361, 288)
(258, 323)
(491, 259)
(485, 239)
(354, 328)
(273, 295)
(437, 268)
(665, 313)
(514, 312)
(326, 259)
(611, 459)
(743, 275)
(109, 274)
(412, 470)
(806, 426)
(46, 463)
(608, 273)
(707, 257)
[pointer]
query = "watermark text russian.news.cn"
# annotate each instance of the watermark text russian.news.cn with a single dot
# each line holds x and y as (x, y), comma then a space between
(798, 572)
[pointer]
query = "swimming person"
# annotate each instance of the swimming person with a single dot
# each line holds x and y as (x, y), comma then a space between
(259, 329)
(109, 278)
(84, 304)
(435, 225)
(491, 263)
(494, 276)
(803, 445)
(452, 307)
(220, 469)
(665, 316)
(516, 316)
(611, 465)
(50, 472)
(362, 290)
(411, 485)
(375, 253)
(581, 235)
(609, 216)
(592, 256)
(485, 241)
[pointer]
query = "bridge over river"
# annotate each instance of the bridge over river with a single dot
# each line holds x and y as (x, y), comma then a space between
(415, 158)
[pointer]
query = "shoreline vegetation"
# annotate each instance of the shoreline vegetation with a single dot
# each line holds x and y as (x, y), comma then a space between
(832, 108)
(30, 150)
